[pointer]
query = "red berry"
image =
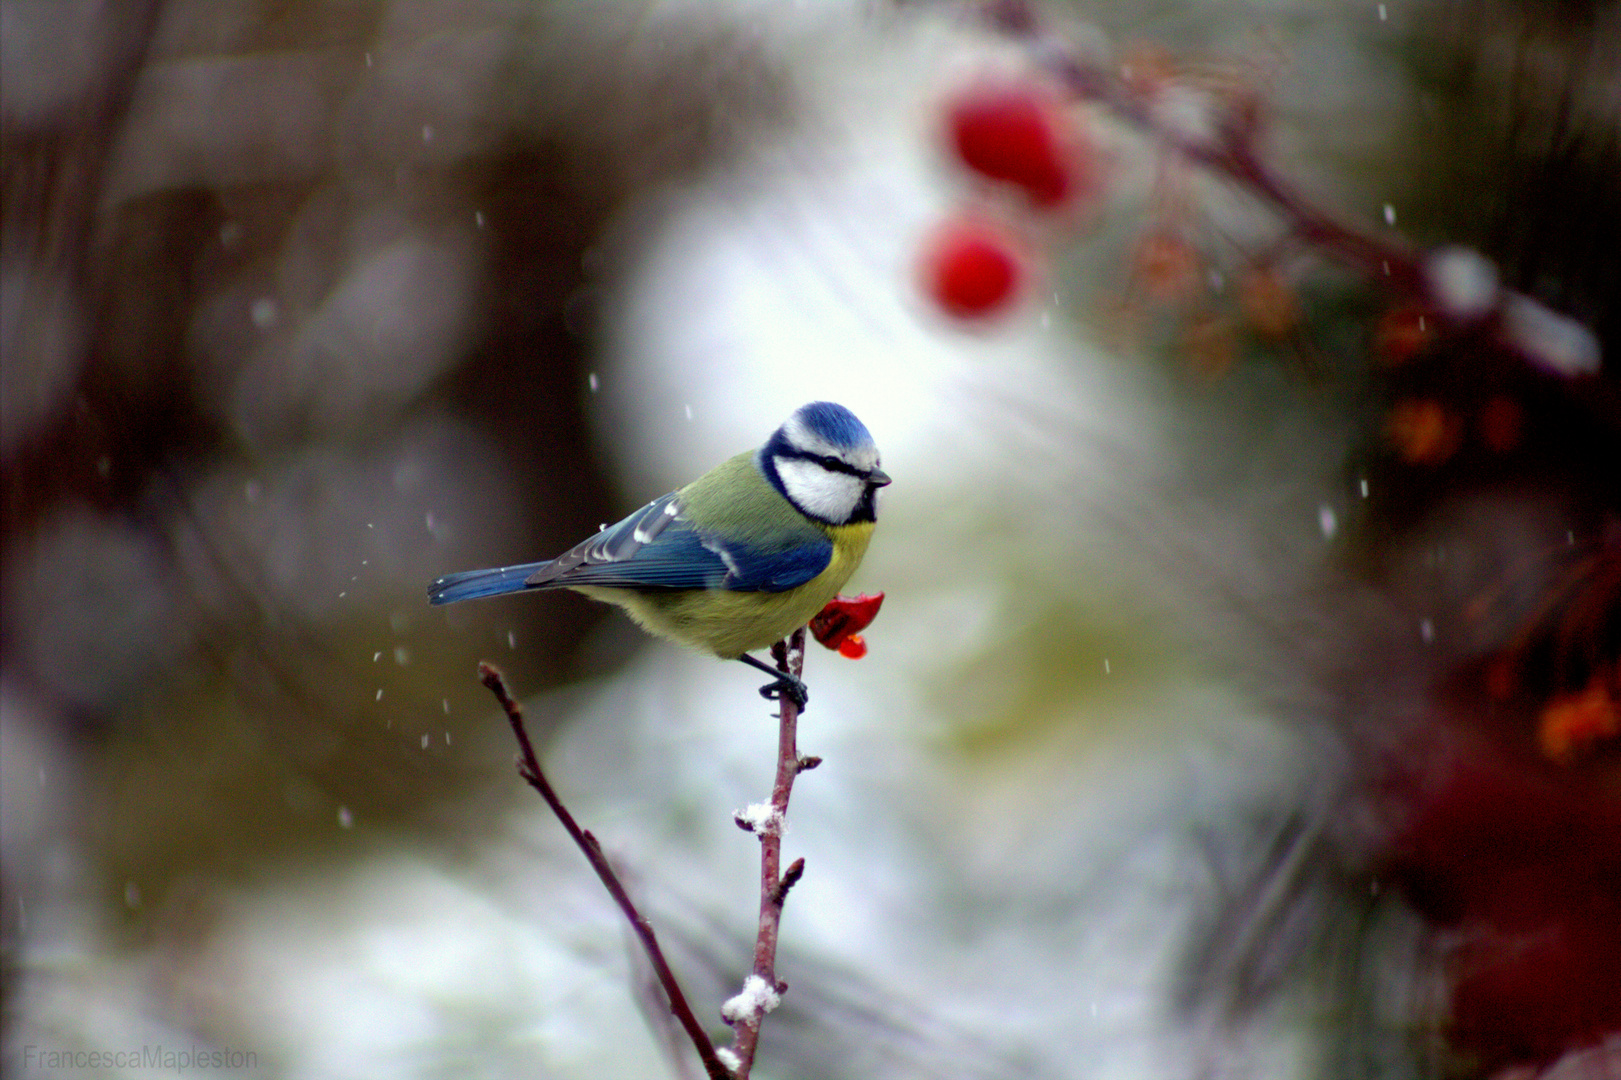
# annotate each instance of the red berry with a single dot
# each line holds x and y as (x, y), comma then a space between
(972, 271)
(836, 625)
(1012, 135)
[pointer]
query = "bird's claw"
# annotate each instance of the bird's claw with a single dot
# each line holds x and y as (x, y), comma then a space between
(787, 686)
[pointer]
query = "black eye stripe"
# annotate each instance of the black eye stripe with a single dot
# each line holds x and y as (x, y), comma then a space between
(828, 462)
(833, 464)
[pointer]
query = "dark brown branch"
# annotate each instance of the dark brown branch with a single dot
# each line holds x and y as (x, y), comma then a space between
(529, 769)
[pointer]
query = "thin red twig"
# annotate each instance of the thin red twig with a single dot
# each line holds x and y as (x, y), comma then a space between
(1232, 152)
(529, 769)
(746, 1011)
(1457, 285)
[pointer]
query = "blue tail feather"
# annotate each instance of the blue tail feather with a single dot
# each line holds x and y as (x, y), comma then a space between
(471, 584)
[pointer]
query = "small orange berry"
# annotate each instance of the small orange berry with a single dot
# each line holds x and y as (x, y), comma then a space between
(1147, 68)
(1403, 332)
(1423, 432)
(1167, 265)
(1575, 721)
(1268, 302)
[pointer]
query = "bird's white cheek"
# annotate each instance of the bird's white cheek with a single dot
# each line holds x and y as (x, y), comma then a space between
(830, 496)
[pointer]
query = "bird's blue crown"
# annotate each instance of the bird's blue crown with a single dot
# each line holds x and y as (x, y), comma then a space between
(833, 424)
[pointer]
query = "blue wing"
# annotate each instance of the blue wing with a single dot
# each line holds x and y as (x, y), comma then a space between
(654, 548)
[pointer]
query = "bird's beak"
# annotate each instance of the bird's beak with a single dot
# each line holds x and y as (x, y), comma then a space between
(877, 478)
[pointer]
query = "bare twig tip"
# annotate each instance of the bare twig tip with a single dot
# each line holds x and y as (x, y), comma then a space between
(790, 878)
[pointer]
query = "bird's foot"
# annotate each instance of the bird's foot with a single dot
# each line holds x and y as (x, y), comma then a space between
(794, 689)
(787, 686)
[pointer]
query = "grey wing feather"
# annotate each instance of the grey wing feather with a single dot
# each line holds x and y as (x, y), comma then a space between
(615, 544)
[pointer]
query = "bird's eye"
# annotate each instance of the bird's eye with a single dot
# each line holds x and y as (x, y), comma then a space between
(831, 462)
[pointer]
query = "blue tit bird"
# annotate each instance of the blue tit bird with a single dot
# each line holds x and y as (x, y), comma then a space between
(736, 560)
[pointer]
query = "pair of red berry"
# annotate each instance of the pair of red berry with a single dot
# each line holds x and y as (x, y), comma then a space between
(1016, 137)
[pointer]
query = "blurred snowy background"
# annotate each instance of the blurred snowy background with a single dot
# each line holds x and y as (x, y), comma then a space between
(307, 302)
